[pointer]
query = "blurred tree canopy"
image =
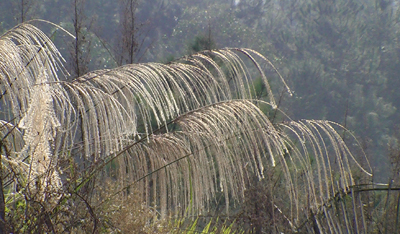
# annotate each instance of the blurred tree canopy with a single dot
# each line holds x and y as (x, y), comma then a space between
(341, 57)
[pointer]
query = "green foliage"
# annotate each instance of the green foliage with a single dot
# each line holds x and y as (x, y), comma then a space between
(211, 227)
(340, 57)
(201, 43)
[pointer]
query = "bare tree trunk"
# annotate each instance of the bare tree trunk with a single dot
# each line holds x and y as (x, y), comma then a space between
(24, 7)
(22, 11)
(80, 52)
(129, 28)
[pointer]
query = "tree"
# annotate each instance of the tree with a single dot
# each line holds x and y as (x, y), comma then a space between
(80, 51)
(24, 7)
(129, 29)
(181, 133)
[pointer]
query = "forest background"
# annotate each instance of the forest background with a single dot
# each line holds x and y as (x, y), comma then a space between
(341, 58)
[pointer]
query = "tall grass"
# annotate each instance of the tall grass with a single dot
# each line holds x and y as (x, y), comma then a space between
(181, 133)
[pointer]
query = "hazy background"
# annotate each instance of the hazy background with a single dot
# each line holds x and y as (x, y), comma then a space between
(340, 57)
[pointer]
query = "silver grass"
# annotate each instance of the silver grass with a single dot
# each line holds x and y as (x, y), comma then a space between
(181, 132)
(29, 60)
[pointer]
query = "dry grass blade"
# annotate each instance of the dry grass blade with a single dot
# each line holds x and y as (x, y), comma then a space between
(319, 158)
(182, 132)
